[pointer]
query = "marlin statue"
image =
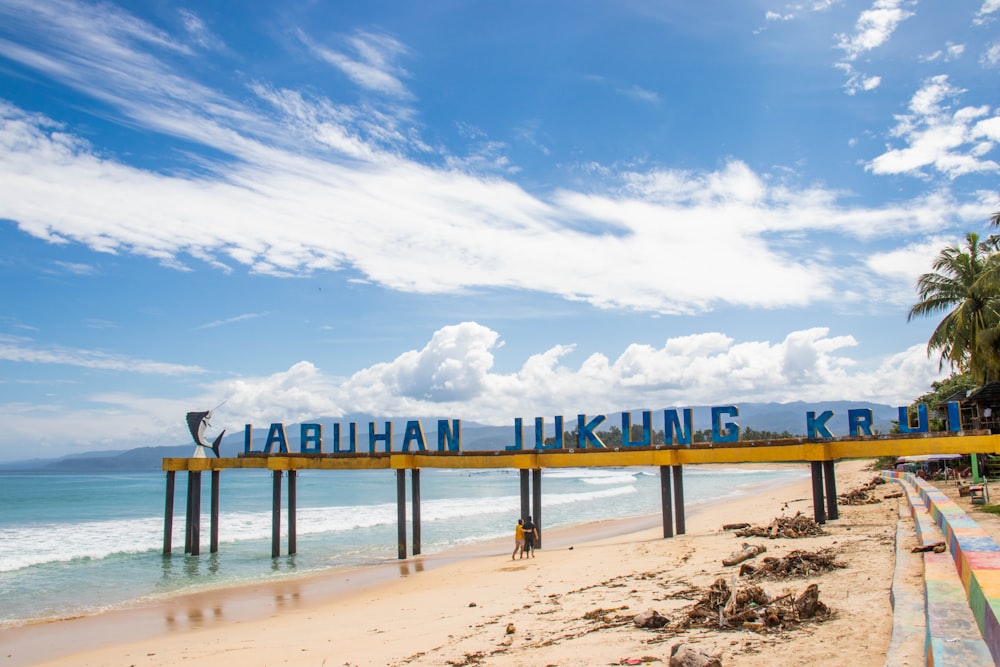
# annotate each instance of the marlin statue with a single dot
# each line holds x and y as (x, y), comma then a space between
(197, 422)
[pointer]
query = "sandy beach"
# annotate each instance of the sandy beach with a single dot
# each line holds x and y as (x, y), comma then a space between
(572, 604)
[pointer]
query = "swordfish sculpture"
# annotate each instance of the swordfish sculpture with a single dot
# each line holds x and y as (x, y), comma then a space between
(197, 422)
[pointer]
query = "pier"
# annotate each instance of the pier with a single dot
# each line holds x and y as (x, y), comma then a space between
(819, 454)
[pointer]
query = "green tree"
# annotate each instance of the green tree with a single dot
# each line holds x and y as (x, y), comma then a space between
(964, 284)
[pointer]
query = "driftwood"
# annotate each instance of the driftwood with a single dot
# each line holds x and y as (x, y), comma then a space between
(795, 564)
(783, 526)
(735, 526)
(752, 608)
(808, 605)
(746, 553)
(937, 547)
(865, 495)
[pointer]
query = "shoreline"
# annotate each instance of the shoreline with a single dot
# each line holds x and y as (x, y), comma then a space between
(215, 610)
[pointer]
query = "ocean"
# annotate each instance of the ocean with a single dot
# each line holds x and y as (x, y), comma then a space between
(79, 544)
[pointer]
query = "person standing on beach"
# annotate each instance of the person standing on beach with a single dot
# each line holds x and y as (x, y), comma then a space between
(518, 539)
(529, 537)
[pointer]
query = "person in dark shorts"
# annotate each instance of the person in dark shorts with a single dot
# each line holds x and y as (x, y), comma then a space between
(529, 537)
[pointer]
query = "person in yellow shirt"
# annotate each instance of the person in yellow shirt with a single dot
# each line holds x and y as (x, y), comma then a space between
(518, 539)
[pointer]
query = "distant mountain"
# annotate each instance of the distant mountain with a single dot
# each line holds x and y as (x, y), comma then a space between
(777, 417)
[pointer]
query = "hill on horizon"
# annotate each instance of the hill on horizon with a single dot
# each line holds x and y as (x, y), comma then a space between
(775, 417)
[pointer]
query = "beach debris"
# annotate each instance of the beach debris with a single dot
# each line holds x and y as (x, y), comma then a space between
(937, 547)
(644, 660)
(795, 564)
(752, 608)
(735, 526)
(686, 655)
(746, 553)
(865, 495)
(511, 629)
(468, 660)
(472, 604)
(807, 604)
(791, 527)
(650, 619)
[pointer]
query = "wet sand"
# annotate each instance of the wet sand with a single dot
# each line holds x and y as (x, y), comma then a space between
(443, 608)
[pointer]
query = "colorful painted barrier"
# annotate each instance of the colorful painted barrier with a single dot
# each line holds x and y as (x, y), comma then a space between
(951, 636)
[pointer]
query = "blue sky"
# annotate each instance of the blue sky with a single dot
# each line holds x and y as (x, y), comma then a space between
(477, 210)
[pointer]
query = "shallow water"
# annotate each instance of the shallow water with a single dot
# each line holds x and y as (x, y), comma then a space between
(78, 544)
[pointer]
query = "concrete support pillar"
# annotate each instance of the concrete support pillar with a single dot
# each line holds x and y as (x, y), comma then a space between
(168, 514)
(276, 514)
(666, 502)
(679, 498)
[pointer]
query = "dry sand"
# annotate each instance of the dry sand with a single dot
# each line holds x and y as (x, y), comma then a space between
(570, 605)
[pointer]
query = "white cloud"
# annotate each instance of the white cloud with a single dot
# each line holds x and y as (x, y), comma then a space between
(873, 28)
(373, 65)
(452, 376)
(232, 320)
(199, 32)
(700, 369)
(937, 135)
(444, 230)
(23, 350)
(991, 57)
(983, 15)
(950, 53)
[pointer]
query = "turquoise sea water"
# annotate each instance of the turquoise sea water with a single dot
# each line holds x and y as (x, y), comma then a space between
(80, 544)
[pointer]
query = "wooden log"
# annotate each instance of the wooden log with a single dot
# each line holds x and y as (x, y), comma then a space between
(735, 526)
(746, 553)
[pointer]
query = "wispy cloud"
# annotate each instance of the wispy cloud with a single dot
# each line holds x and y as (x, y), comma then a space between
(873, 28)
(985, 13)
(199, 32)
(23, 350)
(76, 268)
(373, 63)
(948, 54)
(232, 320)
(991, 57)
(307, 193)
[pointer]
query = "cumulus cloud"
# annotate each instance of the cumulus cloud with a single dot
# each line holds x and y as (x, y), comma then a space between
(452, 376)
(941, 135)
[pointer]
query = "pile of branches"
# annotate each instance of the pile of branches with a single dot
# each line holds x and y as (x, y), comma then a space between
(864, 495)
(795, 564)
(783, 526)
(752, 608)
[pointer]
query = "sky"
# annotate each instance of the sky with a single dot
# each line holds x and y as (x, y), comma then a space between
(475, 210)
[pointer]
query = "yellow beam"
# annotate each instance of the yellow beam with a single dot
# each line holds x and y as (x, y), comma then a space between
(789, 450)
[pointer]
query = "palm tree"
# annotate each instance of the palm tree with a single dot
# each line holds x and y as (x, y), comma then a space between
(964, 283)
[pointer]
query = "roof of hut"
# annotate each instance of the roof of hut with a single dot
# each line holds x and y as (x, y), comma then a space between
(988, 393)
(956, 397)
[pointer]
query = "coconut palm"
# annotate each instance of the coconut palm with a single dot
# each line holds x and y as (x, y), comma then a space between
(965, 285)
